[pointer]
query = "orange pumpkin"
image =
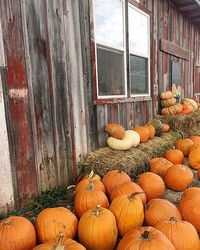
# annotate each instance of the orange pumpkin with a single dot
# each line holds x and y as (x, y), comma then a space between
(195, 146)
(151, 129)
(53, 221)
(165, 128)
(128, 211)
(184, 145)
(174, 155)
(182, 234)
(115, 130)
(97, 229)
(186, 111)
(113, 179)
(83, 184)
(92, 176)
(143, 132)
(152, 184)
(189, 209)
(158, 210)
(145, 238)
(184, 106)
(191, 191)
(128, 188)
(17, 233)
(60, 244)
(194, 159)
(89, 198)
(178, 177)
(160, 166)
(195, 138)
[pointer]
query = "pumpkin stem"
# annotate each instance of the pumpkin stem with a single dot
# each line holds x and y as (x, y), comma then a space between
(91, 174)
(8, 222)
(145, 235)
(132, 196)
(97, 211)
(59, 245)
(91, 186)
(173, 218)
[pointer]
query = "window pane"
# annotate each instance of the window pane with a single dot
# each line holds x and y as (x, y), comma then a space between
(138, 32)
(110, 64)
(139, 75)
(109, 22)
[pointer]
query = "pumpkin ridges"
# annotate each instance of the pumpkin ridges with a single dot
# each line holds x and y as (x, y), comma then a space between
(194, 159)
(160, 166)
(174, 155)
(184, 145)
(84, 183)
(143, 133)
(151, 129)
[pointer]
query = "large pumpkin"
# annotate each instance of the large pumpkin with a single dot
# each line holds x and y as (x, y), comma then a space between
(53, 221)
(195, 138)
(152, 184)
(184, 145)
(128, 211)
(113, 179)
(17, 233)
(128, 188)
(189, 209)
(143, 132)
(160, 166)
(158, 210)
(89, 198)
(115, 130)
(191, 191)
(194, 158)
(182, 234)
(60, 244)
(195, 146)
(97, 229)
(145, 238)
(174, 155)
(178, 177)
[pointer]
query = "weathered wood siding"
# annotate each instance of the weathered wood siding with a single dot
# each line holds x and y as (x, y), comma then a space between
(48, 88)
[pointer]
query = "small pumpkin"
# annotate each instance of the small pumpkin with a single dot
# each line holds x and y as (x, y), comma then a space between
(184, 145)
(115, 130)
(157, 124)
(178, 177)
(17, 233)
(152, 184)
(143, 133)
(168, 102)
(98, 222)
(128, 211)
(89, 198)
(52, 221)
(160, 166)
(128, 188)
(166, 95)
(174, 155)
(182, 234)
(194, 159)
(158, 210)
(189, 209)
(151, 129)
(165, 128)
(60, 244)
(113, 179)
(145, 238)
(195, 138)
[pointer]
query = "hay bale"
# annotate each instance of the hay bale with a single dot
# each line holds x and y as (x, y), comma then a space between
(187, 125)
(133, 161)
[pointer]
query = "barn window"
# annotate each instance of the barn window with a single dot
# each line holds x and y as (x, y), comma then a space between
(122, 49)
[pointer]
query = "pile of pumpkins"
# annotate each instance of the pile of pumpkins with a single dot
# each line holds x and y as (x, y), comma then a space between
(170, 107)
(121, 139)
(115, 208)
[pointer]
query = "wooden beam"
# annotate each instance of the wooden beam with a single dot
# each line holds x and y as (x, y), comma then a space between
(174, 49)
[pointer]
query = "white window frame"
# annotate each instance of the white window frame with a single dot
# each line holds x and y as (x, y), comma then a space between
(126, 54)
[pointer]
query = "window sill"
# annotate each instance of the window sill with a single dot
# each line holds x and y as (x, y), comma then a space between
(124, 100)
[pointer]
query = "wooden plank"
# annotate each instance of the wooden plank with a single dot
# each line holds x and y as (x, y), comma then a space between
(174, 49)
(38, 61)
(22, 150)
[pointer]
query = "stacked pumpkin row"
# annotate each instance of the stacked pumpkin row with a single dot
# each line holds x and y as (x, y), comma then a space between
(121, 139)
(168, 102)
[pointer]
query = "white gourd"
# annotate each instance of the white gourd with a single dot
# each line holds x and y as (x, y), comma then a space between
(134, 136)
